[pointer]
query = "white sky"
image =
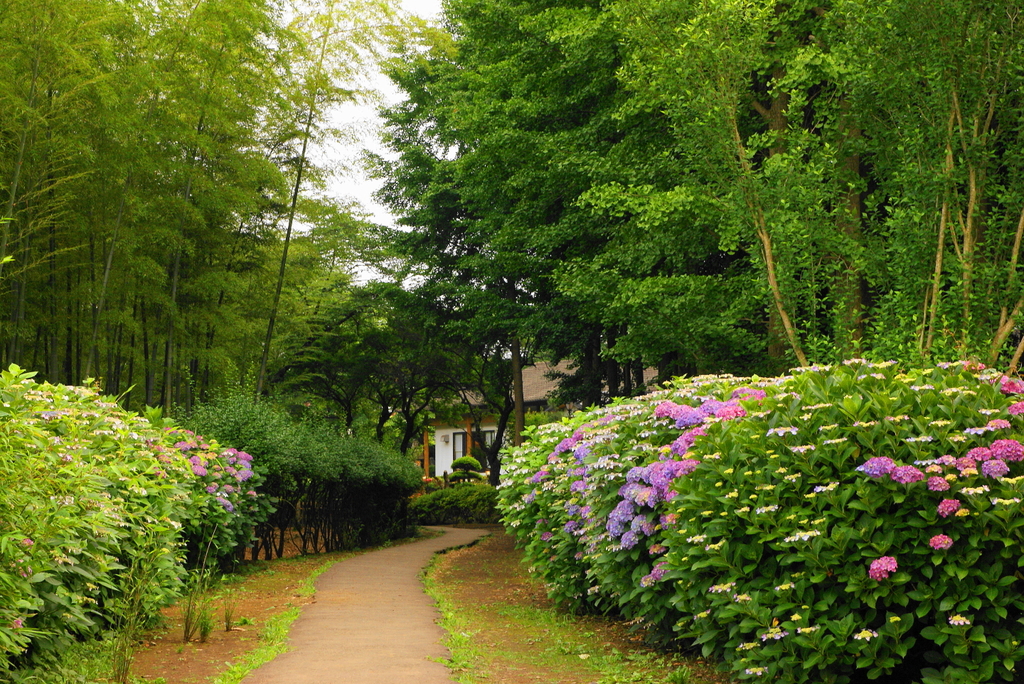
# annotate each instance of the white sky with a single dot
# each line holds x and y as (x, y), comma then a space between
(354, 183)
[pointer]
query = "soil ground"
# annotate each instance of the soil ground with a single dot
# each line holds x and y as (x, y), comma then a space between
(521, 638)
(488, 587)
(269, 589)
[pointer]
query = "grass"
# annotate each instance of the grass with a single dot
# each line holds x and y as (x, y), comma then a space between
(91, 662)
(272, 643)
(514, 635)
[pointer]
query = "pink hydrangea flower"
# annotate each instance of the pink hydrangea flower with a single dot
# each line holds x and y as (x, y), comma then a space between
(1017, 409)
(940, 542)
(999, 424)
(979, 454)
(965, 463)
(906, 474)
(1008, 386)
(748, 393)
(730, 412)
(1007, 449)
(948, 507)
(666, 409)
(937, 484)
(881, 567)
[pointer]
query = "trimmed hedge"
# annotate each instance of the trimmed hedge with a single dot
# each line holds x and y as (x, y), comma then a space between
(461, 504)
(336, 492)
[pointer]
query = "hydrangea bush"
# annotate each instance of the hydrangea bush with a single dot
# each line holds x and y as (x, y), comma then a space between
(98, 504)
(837, 523)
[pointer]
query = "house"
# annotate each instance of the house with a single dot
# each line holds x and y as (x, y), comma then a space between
(450, 442)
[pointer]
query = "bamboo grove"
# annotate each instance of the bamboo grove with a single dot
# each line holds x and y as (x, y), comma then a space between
(154, 155)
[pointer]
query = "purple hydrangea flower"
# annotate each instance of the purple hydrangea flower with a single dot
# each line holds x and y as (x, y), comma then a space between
(877, 467)
(687, 416)
(226, 504)
(618, 518)
(578, 486)
(994, 468)
(658, 572)
(683, 443)
(566, 444)
(686, 466)
(938, 484)
(629, 539)
(747, 393)
(709, 407)
(199, 470)
(538, 476)
(546, 536)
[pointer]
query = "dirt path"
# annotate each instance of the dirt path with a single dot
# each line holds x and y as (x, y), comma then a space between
(371, 622)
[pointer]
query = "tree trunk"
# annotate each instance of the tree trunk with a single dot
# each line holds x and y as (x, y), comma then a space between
(517, 393)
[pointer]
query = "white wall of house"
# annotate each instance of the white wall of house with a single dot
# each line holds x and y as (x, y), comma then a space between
(447, 441)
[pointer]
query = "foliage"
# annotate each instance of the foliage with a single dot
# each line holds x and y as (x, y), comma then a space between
(339, 492)
(844, 520)
(379, 356)
(465, 469)
(708, 187)
(468, 503)
(149, 161)
(99, 513)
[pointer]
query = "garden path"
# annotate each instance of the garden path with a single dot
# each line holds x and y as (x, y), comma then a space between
(370, 623)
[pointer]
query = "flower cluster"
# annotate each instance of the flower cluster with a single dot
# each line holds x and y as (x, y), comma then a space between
(749, 494)
(881, 567)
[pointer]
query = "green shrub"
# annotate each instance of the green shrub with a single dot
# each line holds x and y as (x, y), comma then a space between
(853, 522)
(465, 469)
(337, 491)
(466, 463)
(96, 510)
(457, 505)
